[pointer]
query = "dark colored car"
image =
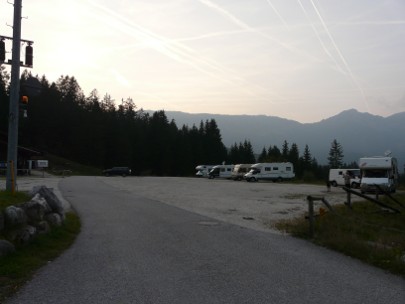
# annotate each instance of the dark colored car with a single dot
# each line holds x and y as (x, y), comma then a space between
(124, 171)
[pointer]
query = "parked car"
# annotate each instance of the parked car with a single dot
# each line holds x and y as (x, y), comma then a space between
(124, 171)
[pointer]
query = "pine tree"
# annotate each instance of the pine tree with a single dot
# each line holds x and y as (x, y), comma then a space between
(306, 158)
(285, 150)
(263, 156)
(294, 154)
(335, 159)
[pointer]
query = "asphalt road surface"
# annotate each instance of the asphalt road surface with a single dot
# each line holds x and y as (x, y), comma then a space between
(134, 249)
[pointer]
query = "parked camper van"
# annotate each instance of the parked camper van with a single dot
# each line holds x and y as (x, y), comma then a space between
(270, 171)
(239, 171)
(203, 170)
(379, 171)
(223, 171)
(337, 177)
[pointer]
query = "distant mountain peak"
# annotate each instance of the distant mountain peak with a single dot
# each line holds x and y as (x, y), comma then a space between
(359, 133)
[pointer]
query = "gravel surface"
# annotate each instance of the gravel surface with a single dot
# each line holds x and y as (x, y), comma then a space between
(253, 205)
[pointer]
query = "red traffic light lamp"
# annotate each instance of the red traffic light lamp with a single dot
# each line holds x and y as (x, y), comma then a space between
(24, 99)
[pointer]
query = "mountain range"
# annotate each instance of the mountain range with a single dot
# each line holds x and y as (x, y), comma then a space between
(360, 134)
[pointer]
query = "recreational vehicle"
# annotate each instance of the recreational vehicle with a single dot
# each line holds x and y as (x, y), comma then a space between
(378, 173)
(240, 170)
(270, 171)
(203, 170)
(337, 177)
(223, 171)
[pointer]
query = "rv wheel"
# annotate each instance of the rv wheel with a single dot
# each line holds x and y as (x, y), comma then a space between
(334, 184)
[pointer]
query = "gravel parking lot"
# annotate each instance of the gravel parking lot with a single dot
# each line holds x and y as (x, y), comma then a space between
(253, 205)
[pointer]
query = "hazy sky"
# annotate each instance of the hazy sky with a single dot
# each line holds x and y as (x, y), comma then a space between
(299, 59)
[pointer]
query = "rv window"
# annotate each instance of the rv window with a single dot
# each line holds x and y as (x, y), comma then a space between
(275, 168)
(288, 168)
(267, 169)
(375, 173)
(229, 169)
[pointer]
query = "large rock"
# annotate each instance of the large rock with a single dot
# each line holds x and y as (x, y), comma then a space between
(26, 234)
(22, 235)
(47, 193)
(14, 216)
(54, 219)
(6, 248)
(36, 208)
(43, 227)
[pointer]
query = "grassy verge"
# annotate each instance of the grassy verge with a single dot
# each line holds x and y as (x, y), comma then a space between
(17, 268)
(8, 199)
(365, 232)
(57, 165)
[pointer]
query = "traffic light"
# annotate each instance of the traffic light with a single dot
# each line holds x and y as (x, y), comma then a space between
(2, 51)
(24, 105)
(28, 55)
(24, 100)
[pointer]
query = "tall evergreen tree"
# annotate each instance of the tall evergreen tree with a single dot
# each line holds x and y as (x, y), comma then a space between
(306, 158)
(285, 150)
(263, 156)
(294, 154)
(248, 156)
(274, 154)
(335, 158)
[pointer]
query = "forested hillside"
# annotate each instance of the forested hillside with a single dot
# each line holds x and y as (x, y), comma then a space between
(94, 131)
(101, 132)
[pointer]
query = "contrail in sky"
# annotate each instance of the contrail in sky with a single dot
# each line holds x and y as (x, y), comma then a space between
(216, 34)
(167, 47)
(320, 39)
(277, 13)
(258, 32)
(181, 53)
(341, 55)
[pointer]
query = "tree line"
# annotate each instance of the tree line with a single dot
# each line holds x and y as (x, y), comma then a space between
(100, 132)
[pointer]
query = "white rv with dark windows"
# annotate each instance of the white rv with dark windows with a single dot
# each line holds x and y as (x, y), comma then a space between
(378, 173)
(203, 170)
(223, 171)
(270, 171)
(240, 170)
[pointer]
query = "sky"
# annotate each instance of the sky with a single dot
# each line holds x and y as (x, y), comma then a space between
(304, 60)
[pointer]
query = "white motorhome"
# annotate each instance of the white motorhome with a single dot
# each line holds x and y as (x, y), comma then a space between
(203, 170)
(223, 171)
(270, 171)
(378, 171)
(337, 177)
(240, 170)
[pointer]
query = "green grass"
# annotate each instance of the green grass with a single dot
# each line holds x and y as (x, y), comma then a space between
(58, 164)
(7, 198)
(365, 232)
(17, 268)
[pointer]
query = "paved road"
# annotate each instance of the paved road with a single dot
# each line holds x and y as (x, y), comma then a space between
(137, 250)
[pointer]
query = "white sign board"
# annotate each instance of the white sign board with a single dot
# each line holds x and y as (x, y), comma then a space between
(42, 163)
